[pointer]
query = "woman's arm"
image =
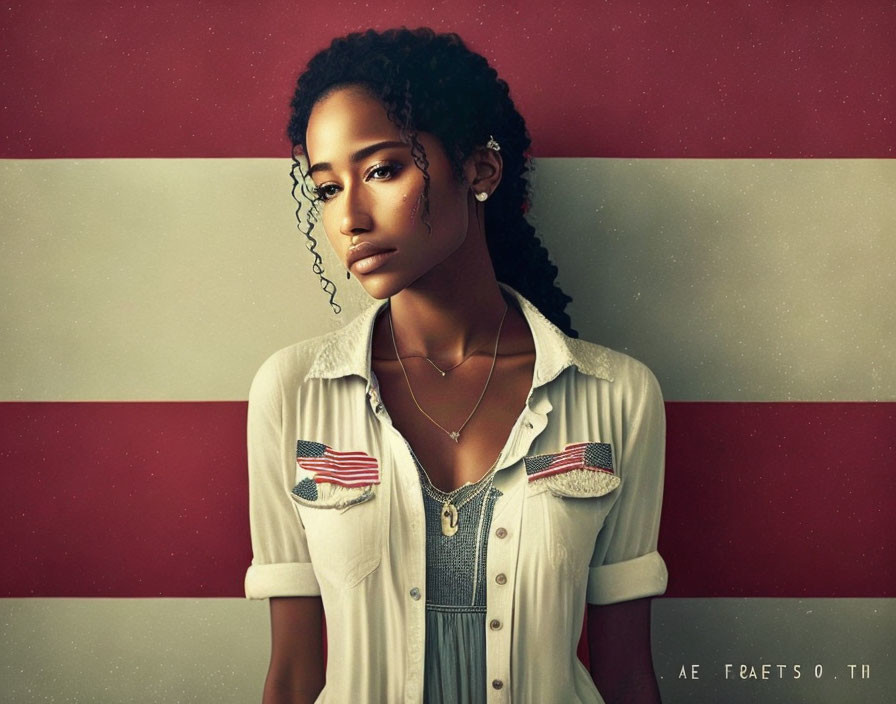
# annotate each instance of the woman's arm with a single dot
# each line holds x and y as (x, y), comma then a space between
(296, 672)
(281, 564)
(626, 568)
(619, 641)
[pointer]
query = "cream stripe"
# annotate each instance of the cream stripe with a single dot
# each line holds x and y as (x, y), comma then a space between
(109, 651)
(172, 279)
(733, 279)
(774, 650)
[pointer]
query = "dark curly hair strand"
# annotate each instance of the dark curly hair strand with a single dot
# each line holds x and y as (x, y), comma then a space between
(433, 83)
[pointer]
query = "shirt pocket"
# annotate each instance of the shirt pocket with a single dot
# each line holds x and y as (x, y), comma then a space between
(337, 495)
(570, 494)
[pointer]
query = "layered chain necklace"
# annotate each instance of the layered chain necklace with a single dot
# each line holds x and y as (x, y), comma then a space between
(450, 508)
(450, 505)
(453, 434)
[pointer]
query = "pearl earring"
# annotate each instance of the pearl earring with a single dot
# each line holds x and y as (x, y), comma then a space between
(482, 196)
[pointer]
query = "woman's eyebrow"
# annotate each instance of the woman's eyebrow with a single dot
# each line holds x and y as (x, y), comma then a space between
(358, 155)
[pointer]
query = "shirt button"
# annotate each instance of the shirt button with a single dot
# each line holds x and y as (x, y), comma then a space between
(379, 408)
(415, 594)
(501, 532)
(501, 578)
(528, 425)
(494, 624)
(497, 684)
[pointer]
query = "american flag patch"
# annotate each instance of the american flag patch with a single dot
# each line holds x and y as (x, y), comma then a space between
(334, 467)
(596, 456)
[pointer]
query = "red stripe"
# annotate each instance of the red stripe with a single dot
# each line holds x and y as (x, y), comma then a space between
(330, 479)
(564, 464)
(562, 470)
(343, 472)
(563, 454)
(330, 452)
(342, 459)
(568, 460)
(150, 499)
(124, 499)
(780, 500)
(330, 464)
(576, 446)
(646, 79)
(577, 451)
(348, 475)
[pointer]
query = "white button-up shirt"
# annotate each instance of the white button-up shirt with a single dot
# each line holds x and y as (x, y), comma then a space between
(336, 509)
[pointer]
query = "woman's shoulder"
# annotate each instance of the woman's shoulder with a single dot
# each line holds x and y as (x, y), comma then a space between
(623, 372)
(340, 352)
(288, 366)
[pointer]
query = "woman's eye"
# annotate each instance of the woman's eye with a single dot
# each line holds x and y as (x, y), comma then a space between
(383, 171)
(380, 172)
(325, 192)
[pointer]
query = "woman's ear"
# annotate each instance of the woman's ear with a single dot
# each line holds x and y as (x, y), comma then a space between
(483, 170)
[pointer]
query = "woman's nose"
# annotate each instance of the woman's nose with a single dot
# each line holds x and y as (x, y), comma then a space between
(356, 217)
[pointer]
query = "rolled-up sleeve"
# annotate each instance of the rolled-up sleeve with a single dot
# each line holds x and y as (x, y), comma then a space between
(626, 564)
(281, 565)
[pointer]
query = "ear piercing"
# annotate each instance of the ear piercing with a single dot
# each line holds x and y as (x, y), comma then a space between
(492, 144)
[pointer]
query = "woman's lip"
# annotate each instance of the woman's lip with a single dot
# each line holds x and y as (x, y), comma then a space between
(361, 250)
(370, 260)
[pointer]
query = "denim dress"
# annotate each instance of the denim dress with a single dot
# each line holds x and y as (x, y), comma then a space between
(454, 669)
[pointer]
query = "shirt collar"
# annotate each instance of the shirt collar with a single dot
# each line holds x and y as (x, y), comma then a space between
(346, 352)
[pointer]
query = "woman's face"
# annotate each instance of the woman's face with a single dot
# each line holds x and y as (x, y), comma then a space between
(371, 193)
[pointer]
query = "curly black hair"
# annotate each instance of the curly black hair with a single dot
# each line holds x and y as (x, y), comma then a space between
(433, 83)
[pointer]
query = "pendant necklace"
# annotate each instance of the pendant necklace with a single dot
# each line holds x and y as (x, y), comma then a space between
(453, 434)
(449, 513)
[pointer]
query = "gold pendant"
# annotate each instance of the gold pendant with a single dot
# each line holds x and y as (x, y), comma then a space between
(449, 519)
(454, 435)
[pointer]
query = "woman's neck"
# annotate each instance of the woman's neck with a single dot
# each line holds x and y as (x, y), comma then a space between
(446, 327)
(452, 310)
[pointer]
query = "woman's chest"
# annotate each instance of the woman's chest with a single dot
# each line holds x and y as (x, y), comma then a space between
(361, 500)
(457, 425)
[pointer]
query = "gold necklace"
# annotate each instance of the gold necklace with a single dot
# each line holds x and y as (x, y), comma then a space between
(449, 513)
(450, 520)
(441, 371)
(453, 434)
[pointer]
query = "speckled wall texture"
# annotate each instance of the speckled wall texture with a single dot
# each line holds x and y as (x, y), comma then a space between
(735, 280)
(715, 182)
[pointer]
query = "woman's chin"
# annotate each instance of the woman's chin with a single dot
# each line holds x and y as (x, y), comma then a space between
(387, 284)
(380, 288)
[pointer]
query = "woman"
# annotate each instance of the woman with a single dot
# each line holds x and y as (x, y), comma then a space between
(452, 475)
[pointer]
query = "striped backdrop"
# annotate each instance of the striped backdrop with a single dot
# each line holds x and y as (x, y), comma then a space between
(715, 181)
